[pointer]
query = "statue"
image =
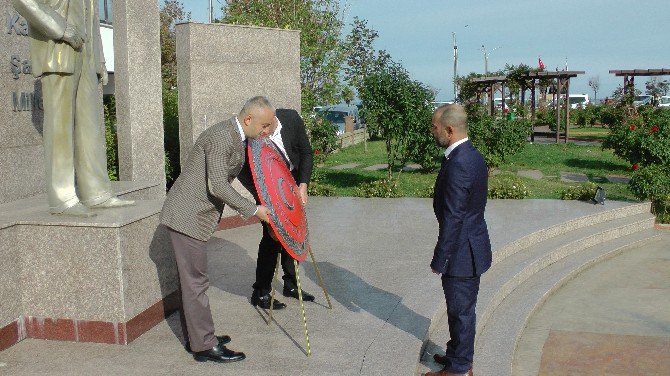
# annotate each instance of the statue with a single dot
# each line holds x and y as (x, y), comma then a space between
(66, 52)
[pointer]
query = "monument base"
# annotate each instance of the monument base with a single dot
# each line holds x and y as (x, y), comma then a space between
(104, 279)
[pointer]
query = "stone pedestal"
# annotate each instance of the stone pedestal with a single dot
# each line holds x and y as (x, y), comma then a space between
(220, 66)
(137, 79)
(104, 279)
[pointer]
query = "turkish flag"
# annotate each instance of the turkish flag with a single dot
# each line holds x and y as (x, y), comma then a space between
(540, 63)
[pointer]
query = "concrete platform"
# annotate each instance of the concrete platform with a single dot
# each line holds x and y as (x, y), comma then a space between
(374, 255)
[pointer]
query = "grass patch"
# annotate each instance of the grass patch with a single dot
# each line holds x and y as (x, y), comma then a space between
(589, 133)
(551, 159)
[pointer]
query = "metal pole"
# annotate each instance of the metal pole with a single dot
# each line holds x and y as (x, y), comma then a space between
(211, 11)
(455, 65)
(302, 306)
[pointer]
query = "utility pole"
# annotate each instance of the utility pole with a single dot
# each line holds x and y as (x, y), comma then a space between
(453, 34)
(211, 11)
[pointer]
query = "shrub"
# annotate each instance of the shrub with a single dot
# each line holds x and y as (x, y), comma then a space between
(171, 135)
(662, 210)
(426, 192)
(643, 139)
(650, 182)
(385, 188)
(317, 187)
(507, 187)
(582, 192)
(109, 108)
(323, 136)
(498, 139)
(320, 189)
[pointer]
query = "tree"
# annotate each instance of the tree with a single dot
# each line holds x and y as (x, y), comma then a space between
(321, 51)
(361, 55)
(656, 87)
(399, 108)
(347, 95)
(171, 13)
(594, 83)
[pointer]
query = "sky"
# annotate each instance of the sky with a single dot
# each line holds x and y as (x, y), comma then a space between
(594, 36)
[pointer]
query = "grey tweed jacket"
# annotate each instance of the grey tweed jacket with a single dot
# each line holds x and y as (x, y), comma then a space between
(194, 203)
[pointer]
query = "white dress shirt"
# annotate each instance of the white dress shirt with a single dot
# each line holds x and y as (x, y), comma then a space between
(453, 146)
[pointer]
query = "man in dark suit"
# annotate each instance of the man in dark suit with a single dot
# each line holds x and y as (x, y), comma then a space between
(463, 250)
(289, 135)
(193, 208)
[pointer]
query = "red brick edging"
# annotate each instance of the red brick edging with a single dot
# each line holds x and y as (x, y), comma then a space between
(88, 331)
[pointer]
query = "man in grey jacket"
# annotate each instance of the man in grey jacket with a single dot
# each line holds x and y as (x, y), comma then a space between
(193, 208)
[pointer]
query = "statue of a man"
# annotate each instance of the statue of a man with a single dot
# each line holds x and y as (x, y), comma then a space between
(66, 52)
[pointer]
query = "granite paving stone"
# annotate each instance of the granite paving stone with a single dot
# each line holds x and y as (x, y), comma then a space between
(345, 166)
(373, 255)
(622, 179)
(532, 174)
(573, 177)
(376, 167)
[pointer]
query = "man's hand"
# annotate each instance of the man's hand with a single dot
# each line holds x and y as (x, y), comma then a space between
(262, 214)
(302, 188)
(103, 76)
(73, 37)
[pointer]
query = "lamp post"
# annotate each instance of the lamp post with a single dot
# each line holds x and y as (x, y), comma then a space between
(453, 34)
(486, 58)
(211, 11)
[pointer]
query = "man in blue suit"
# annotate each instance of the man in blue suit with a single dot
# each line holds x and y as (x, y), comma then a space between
(463, 250)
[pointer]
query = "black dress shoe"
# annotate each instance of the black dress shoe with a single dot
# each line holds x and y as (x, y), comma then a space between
(293, 293)
(442, 359)
(220, 354)
(222, 341)
(262, 298)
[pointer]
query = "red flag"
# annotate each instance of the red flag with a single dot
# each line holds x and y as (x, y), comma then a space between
(540, 63)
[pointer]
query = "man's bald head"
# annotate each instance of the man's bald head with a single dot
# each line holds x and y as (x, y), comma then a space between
(449, 124)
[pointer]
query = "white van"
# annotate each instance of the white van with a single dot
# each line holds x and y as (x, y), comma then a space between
(578, 100)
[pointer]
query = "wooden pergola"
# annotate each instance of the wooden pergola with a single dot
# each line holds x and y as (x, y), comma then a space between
(562, 82)
(490, 83)
(630, 74)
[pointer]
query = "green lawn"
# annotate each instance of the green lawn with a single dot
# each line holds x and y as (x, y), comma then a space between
(550, 159)
(589, 133)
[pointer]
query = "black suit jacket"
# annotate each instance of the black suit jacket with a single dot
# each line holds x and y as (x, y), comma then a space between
(463, 246)
(298, 149)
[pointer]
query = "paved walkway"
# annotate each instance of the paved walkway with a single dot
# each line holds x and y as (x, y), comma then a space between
(374, 256)
(612, 319)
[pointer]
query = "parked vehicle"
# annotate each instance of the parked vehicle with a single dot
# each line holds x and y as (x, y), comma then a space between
(336, 115)
(578, 100)
(664, 101)
(642, 100)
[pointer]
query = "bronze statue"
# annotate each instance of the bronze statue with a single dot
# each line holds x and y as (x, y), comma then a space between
(66, 52)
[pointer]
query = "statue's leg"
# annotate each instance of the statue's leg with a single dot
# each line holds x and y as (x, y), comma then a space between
(58, 92)
(89, 139)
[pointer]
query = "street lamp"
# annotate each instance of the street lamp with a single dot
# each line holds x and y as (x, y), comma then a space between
(453, 34)
(486, 58)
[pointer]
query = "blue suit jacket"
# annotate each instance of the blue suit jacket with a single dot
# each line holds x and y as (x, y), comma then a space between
(463, 246)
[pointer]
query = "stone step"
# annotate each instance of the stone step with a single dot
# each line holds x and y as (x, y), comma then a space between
(568, 226)
(496, 341)
(519, 260)
(502, 279)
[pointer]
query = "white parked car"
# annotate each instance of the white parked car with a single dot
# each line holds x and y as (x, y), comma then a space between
(664, 101)
(641, 100)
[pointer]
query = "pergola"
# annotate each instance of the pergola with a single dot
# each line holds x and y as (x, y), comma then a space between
(562, 82)
(630, 74)
(490, 83)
